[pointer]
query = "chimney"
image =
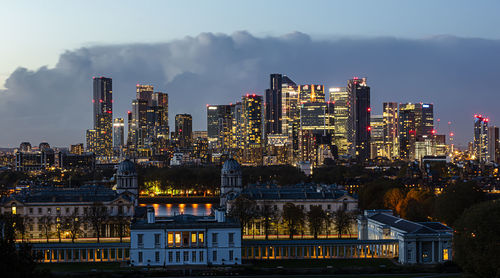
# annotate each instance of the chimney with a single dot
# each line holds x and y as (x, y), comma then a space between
(220, 215)
(151, 215)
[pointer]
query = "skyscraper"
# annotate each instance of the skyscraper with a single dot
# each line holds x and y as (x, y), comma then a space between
(361, 94)
(493, 144)
(103, 116)
(252, 129)
(416, 125)
(184, 130)
(219, 127)
(145, 92)
(273, 104)
(480, 144)
(377, 136)
(391, 127)
(118, 133)
(343, 102)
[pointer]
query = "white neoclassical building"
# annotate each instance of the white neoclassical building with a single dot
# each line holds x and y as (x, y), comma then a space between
(184, 240)
(419, 242)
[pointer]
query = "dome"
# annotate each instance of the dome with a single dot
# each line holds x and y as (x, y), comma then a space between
(231, 166)
(126, 167)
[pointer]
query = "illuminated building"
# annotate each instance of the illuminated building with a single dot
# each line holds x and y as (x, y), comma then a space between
(237, 128)
(219, 127)
(200, 134)
(145, 92)
(118, 133)
(311, 93)
(290, 121)
(377, 136)
(440, 141)
(344, 120)
(251, 145)
(278, 150)
(361, 94)
(416, 124)
(160, 100)
(103, 116)
(424, 146)
(25, 147)
(138, 126)
(274, 105)
(76, 149)
(91, 140)
(33, 160)
(391, 128)
(493, 144)
(184, 130)
(480, 144)
(200, 148)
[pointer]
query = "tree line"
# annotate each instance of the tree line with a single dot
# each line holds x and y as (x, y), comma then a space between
(96, 216)
(294, 219)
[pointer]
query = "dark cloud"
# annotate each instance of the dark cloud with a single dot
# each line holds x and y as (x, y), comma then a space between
(54, 104)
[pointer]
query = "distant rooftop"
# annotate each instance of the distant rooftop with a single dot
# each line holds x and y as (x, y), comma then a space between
(410, 226)
(299, 191)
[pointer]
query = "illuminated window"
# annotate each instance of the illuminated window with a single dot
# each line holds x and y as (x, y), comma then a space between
(200, 238)
(445, 255)
(193, 238)
(177, 239)
(14, 209)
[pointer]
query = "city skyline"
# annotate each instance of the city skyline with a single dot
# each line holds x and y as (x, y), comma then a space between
(439, 63)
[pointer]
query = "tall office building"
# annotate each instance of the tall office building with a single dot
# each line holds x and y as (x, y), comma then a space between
(252, 145)
(311, 93)
(343, 102)
(184, 130)
(416, 125)
(480, 144)
(493, 144)
(103, 116)
(161, 101)
(391, 127)
(145, 92)
(274, 104)
(118, 133)
(92, 140)
(219, 127)
(361, 94)
(76, 149)
(377, 136)
(290, 121)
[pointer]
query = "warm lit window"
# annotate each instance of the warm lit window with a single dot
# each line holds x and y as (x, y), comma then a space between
(170, 238)
(177, 239)
(445, 255)
(193, 238)
(200, 238)
(14, 209)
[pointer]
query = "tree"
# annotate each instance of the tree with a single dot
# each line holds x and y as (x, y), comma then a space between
(96, 216)
(244, 209)
(393, 197)
(14, 262)
(268, 214)
(72, 223)
(121, 222)
(293, 216)
(342, 219)
(59, 225)
(477, 238)
(417, 205)
(45, 223)
(316, 216)
(21, 224)
(455, 199)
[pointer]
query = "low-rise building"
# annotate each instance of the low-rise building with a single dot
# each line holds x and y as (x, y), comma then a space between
(419, 242)
(184, 240)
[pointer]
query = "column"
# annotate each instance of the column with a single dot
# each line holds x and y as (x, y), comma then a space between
(433, 260)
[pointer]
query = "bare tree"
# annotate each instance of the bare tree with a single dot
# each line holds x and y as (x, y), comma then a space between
(293, 216)
(72, 223)
(121, 221)
(342, 219)
(45, 223)
(97, 215)
(316, 217)
(268, 214)
(21, 224)
(244, 209)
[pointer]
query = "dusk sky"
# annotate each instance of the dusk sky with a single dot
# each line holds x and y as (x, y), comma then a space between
(199, 52)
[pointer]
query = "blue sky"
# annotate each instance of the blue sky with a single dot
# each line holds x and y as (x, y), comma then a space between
(83, 35)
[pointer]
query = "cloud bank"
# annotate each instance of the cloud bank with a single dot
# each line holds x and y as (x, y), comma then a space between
(458, 75)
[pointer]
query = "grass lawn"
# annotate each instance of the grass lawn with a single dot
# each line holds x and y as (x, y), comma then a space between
(80, 267)
(322, 263)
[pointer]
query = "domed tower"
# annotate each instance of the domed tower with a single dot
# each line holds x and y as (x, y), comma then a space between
(126, 179)
(230, 183)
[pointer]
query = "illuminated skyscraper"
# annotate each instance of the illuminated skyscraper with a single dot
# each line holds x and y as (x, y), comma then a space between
(343, 102)
(118, 133)
(391, 127)
(361, 94)
(311, 93)
(480, 144)
(219, 127)
(274, 104)
(184, 130)
(103, 116)
(290, 121)
(161, 101)
(92, 140)
(493, 144)
(252, 129)
(145, 92)
(377, 136)
(416, 125)
(76, 149)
